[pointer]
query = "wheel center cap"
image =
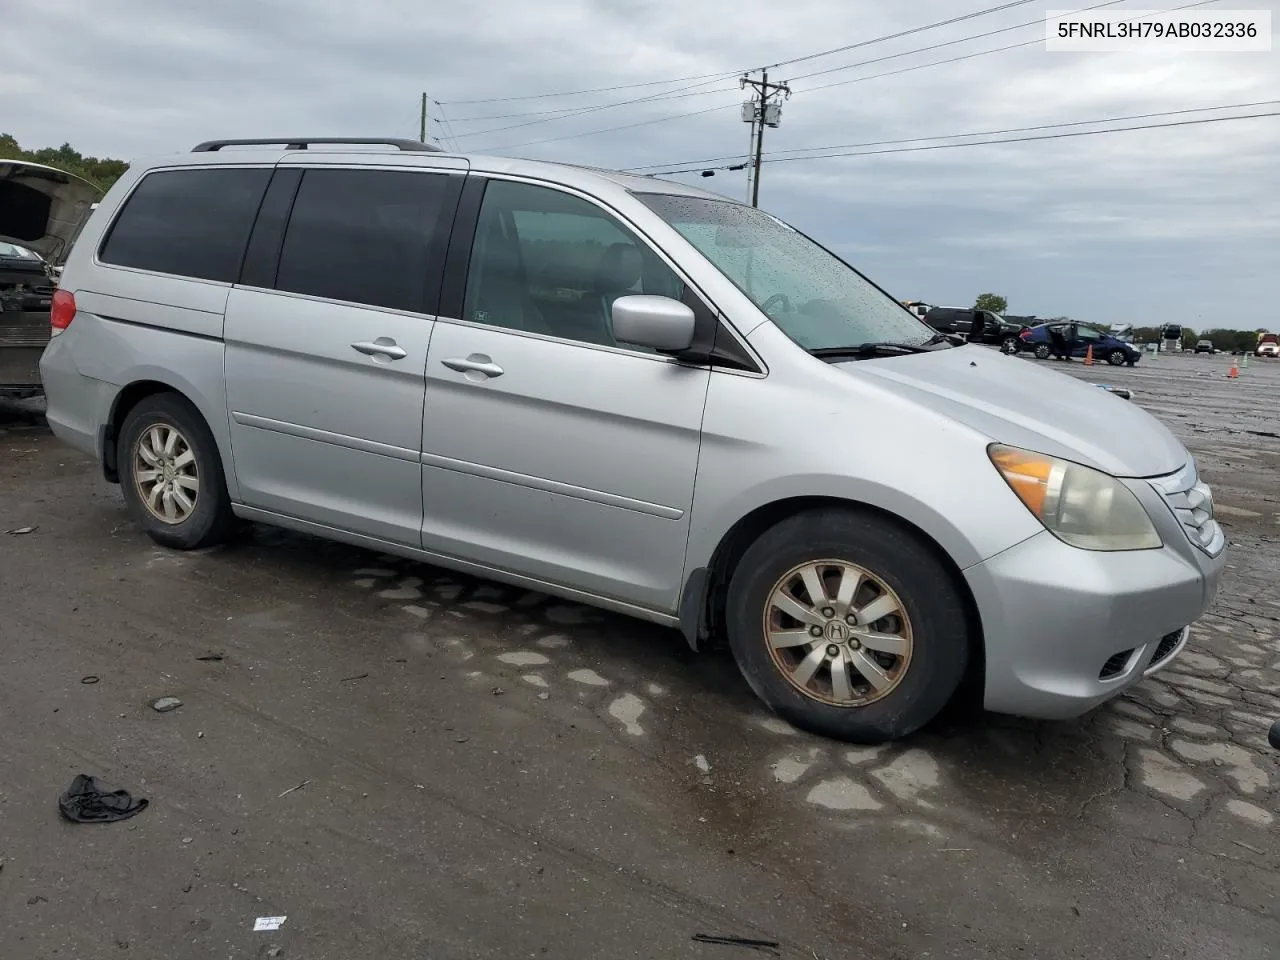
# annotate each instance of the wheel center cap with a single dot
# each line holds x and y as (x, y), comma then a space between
(836, 631)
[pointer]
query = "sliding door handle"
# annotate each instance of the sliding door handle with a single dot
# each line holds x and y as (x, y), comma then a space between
(475, 363)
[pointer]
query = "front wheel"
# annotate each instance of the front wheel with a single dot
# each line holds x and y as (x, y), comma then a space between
(1116, 358)
(1042, 351)
(1009, 345)
(847, 625)
(171, 474)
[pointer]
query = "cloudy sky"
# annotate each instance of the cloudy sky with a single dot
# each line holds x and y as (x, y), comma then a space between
(1178, 224)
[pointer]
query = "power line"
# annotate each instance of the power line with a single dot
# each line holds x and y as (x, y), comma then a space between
(901, 33)
(947, 43)
(446, 124)
(874, 76)
(732, 73)
(574, 93)
(678, 93)
(625, 126)
(699, 164)
(982, 143)
(565, 112)
(970, 56)
(582, 111)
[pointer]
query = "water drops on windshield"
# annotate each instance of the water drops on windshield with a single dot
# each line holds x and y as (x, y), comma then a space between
(813, 296)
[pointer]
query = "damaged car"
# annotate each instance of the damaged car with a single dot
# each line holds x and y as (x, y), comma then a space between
(41, 211)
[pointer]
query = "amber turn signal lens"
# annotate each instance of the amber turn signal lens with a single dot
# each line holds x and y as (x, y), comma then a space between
(1027, 473)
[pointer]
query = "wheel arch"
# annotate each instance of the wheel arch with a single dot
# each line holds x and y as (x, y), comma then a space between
(144, 385)
(702, 606)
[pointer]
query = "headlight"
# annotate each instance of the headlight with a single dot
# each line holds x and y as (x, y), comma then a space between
(1080, 506)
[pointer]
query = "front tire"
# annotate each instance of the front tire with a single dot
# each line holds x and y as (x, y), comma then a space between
(847, 625)
(1116, 358)
(171, 474)
(1009, 346)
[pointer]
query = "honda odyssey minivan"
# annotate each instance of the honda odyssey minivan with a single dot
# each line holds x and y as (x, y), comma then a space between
(631, 393)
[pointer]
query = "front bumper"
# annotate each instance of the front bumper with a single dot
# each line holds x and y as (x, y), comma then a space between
(1068, 629)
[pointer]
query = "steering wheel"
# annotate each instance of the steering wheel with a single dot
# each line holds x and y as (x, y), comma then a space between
(783, 301)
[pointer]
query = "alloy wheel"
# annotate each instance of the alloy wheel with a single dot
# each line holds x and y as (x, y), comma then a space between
(838, 633)
(165, 473)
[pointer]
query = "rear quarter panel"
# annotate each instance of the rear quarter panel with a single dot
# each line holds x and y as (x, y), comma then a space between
(121, 354)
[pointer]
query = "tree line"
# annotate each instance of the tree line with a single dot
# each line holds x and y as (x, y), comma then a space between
(100, 171)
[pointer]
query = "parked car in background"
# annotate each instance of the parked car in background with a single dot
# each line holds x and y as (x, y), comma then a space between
(26, 281)
(1106, 347)
(517, 369)
(960, 320)
(41, 212)
(1204, 346)
(1268, 345)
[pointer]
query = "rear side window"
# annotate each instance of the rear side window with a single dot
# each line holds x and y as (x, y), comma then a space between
(363, 236)
(193, 223)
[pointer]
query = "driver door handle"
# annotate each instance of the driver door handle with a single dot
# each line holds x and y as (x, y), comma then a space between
(475, 363)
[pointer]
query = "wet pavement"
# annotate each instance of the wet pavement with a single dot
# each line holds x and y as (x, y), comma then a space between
(487, 772)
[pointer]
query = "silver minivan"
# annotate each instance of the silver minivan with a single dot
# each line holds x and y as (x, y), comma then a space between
(634, 394)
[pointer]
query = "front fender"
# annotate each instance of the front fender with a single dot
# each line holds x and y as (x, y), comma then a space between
(777, 439)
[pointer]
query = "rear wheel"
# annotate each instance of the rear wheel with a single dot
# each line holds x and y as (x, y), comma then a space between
(847, 625)
(1042, 351)
(171, 474)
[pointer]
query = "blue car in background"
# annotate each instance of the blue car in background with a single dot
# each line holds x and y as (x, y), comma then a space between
(1039, 340)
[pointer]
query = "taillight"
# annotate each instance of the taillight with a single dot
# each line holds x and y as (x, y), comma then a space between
(1025, 335)
(62, 310)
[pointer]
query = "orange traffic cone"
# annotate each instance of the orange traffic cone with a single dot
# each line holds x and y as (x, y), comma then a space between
(1234, 371)
(1088, 356)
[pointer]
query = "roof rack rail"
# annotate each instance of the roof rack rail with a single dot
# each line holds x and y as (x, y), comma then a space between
(302, 143)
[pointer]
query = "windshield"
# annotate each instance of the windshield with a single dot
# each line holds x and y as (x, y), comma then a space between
(814, 297)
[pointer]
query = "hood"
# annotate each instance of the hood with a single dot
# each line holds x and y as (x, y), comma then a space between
(1021, 403)
(42, 208)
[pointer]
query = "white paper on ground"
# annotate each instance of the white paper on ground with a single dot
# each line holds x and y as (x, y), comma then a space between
(268, 923)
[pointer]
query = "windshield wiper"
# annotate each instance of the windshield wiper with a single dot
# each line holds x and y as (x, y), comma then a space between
(879, 348)
(945, 338)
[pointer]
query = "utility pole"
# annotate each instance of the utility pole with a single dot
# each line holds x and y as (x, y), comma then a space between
(763, 110)
(422, 122)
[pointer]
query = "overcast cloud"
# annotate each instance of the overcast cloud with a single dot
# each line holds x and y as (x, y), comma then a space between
(1160, 225)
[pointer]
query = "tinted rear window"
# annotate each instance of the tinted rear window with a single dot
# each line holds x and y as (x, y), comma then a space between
(363, 236)
(193, 223)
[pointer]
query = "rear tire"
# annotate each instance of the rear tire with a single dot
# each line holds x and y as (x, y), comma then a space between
(1042, 351)
(885, 660)
(171, 474)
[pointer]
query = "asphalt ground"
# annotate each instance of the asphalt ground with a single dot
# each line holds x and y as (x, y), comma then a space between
(409, 763)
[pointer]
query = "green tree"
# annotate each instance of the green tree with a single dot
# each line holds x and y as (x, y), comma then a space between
(991, 301)
(1189, 338)
(102, 172)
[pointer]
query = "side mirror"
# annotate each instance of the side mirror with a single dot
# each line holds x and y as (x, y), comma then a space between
(657, 322)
